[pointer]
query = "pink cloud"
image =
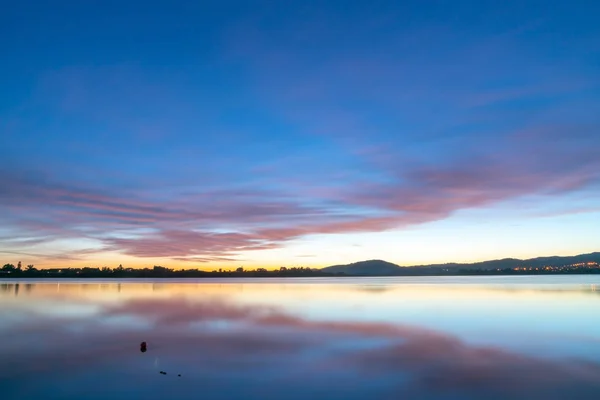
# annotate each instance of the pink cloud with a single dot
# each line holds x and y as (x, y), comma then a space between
(221, 225)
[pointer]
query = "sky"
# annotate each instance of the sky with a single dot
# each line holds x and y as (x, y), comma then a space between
(297, 133)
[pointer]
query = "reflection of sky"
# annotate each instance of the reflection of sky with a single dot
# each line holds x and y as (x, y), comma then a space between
(353, 338)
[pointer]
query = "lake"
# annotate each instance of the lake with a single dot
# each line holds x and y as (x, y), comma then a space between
(498, 337)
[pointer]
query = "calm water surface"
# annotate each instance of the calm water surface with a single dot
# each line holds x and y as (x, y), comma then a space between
(314, 338)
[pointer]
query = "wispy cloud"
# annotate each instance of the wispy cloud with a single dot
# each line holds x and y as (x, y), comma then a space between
(222, 225)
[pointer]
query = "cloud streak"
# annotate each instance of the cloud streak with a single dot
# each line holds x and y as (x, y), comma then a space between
(221, 226)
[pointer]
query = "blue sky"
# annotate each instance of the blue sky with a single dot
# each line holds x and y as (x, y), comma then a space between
(298, 133)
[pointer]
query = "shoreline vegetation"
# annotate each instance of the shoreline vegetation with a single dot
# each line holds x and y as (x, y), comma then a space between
(581, 264)
(150, 273)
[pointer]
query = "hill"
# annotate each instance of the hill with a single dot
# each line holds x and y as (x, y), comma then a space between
(369, 267)
(380, 267)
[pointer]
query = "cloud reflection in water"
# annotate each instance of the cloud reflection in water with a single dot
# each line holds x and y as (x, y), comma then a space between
(226, 350)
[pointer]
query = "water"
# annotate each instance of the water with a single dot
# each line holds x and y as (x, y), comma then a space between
(313, 338)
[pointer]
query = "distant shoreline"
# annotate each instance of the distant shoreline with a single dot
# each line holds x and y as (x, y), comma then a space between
(582, 264)
(275, 276)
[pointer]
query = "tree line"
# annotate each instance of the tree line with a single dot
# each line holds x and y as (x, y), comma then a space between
(9, 270)
(12, 271)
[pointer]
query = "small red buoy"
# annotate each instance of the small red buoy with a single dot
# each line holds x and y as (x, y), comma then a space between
(143, 347)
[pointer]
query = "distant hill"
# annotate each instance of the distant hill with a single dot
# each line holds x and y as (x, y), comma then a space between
(380, 267)
(369, 267)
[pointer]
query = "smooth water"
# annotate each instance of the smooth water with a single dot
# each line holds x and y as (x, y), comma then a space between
(313, 338)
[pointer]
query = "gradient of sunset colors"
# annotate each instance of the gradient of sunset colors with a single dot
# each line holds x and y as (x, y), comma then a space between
(225, 133)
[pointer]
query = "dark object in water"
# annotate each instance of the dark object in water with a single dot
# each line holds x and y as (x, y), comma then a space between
(163, 372)
(179, 375)
(143, 347)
